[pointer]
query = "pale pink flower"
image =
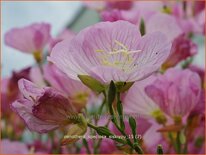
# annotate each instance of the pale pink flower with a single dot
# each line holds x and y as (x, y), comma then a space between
(13, 147)
(29, 39)
(65, 34)
(42, 109)
(136, 101)
(164, 23)
(76, 91)
(111, 51)
(189, 16)
(176, 92)
(152, 138)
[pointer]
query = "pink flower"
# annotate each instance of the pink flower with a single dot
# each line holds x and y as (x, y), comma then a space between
(136, 101)
(65, 34)
(111, 51)
(111, 15)
(199, 70)
(121, 5)
(182, 48)
(152, 138)
(164, 23)
(42, 109)
(9, 89)
(29, 39)
(190, 16)
(13, 147)
(77, 92)
(176, 92)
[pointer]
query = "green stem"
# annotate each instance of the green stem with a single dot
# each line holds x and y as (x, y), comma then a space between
(84, 141)
(178, 143)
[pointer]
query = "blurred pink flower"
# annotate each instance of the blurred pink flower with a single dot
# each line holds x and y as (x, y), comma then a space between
(164, 23)
(9, 89)
(13, 147)
(190, 16)
(111, 15)
(65, 34)
(42, 109)
(76, 91)
(109, 5)
(199, 70)
(152, 138)
(111, 51)
(121, 5)
(176, 92)
(136, 101)
(29, 39)
(182, 48)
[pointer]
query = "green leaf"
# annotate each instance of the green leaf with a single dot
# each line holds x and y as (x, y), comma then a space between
(111, 92)
(111, 97)
(138, 149)
(120, 112)
(182, 138)
(92, 83)
(133, 126)
(142, 27)
(159, 149)
(103, 131)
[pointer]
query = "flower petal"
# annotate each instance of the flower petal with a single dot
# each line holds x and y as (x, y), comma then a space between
(24, 108)
(29, 89)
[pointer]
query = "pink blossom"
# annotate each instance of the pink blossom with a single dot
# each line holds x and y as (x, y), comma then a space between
(199, 70)
(9, 89)
(13, 147)
(65, 34)
(111, 51)
(176, 92)
(164, 23)
(152, 138)
(182, 48)
(111, 15)
(121, 5)
(77, 92)
(189, 16)
(42, 109)
(29, 39)
(136, 101)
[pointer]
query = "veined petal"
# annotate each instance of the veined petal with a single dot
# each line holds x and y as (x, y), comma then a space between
(29, 89)
(24, 109)
(154, 50)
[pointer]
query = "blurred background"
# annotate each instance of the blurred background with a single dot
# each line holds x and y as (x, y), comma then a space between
(60, 15)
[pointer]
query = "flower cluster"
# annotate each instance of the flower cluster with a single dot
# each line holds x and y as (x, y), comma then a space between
(135, 67)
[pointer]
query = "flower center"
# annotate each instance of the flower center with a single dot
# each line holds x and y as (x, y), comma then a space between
(120, 57)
